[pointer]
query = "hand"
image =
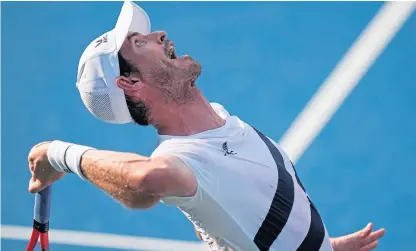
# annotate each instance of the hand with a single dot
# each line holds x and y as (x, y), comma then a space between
(43, 174)
(362, 240)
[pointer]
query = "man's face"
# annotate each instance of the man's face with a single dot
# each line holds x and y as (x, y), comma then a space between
(157, 71)
(154, 56)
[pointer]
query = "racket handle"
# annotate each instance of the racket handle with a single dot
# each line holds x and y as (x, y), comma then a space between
(43, 205)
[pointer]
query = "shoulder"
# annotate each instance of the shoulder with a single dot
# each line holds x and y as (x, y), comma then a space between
(192, 152)
(171, 176)
(185, 179)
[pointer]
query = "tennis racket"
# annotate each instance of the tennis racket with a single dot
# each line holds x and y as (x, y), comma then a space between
(41, 220)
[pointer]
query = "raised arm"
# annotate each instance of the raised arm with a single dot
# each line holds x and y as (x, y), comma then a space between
(133, 180)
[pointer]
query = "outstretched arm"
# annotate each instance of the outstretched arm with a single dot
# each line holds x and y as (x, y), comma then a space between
(137, 181)
(133, 180)
(124, 176)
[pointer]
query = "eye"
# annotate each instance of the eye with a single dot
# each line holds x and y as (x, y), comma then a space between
(138, 42)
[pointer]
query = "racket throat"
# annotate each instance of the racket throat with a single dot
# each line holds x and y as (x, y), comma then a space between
(41, 227)
(33, 240)
(44, 241)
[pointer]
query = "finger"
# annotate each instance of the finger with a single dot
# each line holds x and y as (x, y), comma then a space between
(374, 236)
(370, 246)
(41, 143)
(366, 230)
(35, 186)
(32, 185)
(37, 145)
(31, 166)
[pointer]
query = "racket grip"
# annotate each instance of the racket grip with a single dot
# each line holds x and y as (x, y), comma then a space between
(43, 206)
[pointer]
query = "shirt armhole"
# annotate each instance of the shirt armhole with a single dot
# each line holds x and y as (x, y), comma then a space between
(185, 202)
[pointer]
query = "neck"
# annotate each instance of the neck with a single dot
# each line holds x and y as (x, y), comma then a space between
(185, 119)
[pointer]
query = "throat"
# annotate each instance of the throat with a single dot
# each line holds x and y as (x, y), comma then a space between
(187, 119)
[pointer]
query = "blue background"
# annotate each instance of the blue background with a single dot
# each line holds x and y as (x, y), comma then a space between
(263, 61)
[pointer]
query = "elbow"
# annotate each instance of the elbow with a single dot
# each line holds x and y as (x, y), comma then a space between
(140, 202)
(133, 198)
(144, 187)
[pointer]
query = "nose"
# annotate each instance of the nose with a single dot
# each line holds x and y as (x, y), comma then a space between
(160, 36)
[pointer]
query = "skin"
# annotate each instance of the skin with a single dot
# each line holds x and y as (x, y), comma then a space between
(169, 100)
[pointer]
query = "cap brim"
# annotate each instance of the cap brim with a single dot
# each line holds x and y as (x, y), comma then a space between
(131, 18)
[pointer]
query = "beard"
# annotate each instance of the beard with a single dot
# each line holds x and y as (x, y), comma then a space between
(139, 111)
(191, 73)
(175, 81)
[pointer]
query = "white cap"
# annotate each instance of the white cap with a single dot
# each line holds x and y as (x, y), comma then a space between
(98, 67)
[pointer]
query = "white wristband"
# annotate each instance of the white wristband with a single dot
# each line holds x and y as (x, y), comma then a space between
(56, 155)
(66, 157)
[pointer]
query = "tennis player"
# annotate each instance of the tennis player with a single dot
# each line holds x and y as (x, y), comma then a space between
(236, 185)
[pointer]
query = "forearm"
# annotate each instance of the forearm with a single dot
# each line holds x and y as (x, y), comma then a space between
(120, 175)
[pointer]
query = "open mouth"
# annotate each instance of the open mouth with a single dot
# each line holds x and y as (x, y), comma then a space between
(171, 52)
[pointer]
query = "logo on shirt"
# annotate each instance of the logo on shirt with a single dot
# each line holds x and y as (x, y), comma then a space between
(226, 151)
(101, 40)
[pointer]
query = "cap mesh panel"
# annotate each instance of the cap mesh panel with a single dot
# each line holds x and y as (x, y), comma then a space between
(98, 104)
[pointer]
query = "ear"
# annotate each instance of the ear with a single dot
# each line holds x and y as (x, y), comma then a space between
(128, 85)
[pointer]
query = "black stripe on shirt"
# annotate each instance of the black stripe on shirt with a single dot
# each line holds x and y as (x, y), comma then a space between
(316, 232)
(281, 205)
